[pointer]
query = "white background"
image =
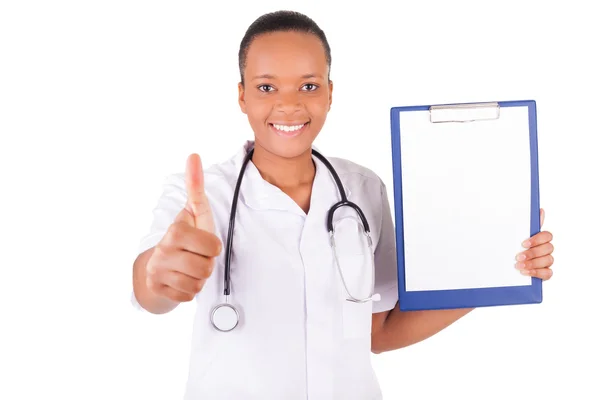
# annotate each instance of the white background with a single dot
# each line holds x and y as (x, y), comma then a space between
(100, 100)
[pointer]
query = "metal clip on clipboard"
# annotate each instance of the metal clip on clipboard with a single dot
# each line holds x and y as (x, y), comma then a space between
(464, 112)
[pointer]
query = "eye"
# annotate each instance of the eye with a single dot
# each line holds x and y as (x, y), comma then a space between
(310, 87)
(265, 88)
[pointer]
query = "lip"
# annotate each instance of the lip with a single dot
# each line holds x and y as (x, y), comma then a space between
(290, 134)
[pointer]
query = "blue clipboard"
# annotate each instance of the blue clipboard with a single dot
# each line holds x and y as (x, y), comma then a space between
(452, 166)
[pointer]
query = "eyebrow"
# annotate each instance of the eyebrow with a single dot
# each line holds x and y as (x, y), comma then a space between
(269, 76)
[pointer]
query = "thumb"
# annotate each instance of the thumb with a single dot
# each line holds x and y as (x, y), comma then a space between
(197, 201)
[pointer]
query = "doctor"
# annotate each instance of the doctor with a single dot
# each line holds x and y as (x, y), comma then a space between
(301, 314)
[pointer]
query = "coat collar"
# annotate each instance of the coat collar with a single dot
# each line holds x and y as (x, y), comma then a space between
(259, 194)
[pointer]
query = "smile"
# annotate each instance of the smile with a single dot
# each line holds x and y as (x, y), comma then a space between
(288, 130)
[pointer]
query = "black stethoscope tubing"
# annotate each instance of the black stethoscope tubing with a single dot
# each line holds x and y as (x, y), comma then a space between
(343, 202)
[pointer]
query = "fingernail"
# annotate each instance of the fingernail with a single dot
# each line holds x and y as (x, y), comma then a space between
(520, 265)
(521, 257)
(525, 272)
(527, 244)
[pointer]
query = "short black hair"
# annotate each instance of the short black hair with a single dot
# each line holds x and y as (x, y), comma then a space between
(280, 21)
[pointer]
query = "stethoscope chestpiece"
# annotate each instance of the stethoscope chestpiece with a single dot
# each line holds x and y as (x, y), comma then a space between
(224, 317)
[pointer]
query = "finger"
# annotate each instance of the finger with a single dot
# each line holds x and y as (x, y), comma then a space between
(186, 216)
(182, 282)
(542, 217)
(538, 239)
(194, 182)
(541, 273)
(535, 252)
(182, 236)
(197, 202)
(174, 294)
(192, 265)
(540, 262)
(157, 286)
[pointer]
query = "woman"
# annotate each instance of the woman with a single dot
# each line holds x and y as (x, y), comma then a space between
(298, 336)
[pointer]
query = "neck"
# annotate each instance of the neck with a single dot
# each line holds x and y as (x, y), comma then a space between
(284, 172)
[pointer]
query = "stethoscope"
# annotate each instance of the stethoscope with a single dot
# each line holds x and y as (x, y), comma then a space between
(225, 317)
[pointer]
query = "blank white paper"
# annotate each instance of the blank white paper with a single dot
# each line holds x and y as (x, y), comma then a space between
(466, 193)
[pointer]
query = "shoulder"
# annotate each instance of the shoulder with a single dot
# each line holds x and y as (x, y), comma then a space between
(216, 177)
(219, 185)
(365, 188)
(353, 173)
(362, 184)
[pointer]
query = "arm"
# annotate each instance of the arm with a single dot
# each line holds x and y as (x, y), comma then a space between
(395, 329)
(147, 299)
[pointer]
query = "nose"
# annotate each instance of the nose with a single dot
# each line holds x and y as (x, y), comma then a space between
(289, 102)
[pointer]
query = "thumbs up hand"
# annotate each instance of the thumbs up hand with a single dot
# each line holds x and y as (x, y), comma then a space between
(185, 257)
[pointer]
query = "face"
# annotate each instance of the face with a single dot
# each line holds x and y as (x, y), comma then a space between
(286, 93)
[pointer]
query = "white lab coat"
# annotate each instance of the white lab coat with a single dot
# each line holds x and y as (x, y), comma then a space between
(298, 338)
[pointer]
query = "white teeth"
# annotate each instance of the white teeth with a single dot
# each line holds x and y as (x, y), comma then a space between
(288, 128)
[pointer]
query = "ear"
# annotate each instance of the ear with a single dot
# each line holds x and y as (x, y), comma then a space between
(330, 93)
(241, 97)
